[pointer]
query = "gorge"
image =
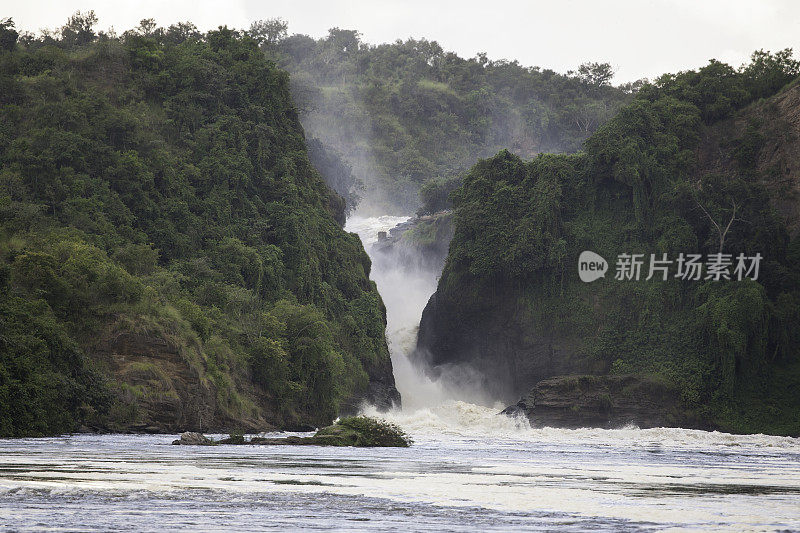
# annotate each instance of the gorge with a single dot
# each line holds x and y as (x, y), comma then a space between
(232, 240)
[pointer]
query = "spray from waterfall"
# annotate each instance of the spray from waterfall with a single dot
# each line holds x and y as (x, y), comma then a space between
(405, 287)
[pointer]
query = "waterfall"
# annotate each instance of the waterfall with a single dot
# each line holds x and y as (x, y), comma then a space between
(405, 287)
(405, 290)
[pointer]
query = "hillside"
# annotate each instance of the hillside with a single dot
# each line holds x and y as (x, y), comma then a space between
(700, 162)
(405, 113)
(169, 258)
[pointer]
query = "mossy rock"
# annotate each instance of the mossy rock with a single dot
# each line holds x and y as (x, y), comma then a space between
(358, 431)
(363, 431)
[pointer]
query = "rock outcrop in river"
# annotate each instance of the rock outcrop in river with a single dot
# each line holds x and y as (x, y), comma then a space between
(419, 243)
(359, 431)
(603, 401)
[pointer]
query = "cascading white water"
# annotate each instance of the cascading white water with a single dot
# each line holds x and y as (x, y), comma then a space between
(405, 290)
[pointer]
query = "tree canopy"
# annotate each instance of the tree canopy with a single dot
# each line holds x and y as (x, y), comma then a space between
(159, 182)
(644, 185)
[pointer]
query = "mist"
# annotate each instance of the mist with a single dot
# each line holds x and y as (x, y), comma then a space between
(333, 112)
(406, 281)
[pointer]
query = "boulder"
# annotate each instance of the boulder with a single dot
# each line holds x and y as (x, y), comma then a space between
(191, 438)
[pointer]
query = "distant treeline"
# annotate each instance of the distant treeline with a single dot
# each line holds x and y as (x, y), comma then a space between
(409, 112)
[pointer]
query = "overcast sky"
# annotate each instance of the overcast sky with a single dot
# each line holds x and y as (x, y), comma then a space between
(640, 38)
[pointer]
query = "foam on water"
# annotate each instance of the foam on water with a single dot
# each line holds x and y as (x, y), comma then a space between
(467, 462)
(469, 421)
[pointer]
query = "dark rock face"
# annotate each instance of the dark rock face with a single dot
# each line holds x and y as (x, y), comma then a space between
(174, 394)
(492, 348)
(610, 401)
(381, 391)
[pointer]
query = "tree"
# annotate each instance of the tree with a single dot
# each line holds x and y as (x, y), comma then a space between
(768, 72)
(79, 29)
(633, 87)
(596, 73)
(269, 32)
(435, 195)
(722, 232)
(8, 35)
(343, 42)
(147, 27)
(719, 198)
(181, 32)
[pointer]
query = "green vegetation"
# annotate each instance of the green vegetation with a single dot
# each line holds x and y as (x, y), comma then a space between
(365, 431)
(156, 187)
(434, 195)
(360, 431)
(644, 184)
(408, 112)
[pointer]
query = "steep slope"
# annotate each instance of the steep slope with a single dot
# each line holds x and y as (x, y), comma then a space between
(405, 113)
(768, 133)
(693, 153)
(169, 258)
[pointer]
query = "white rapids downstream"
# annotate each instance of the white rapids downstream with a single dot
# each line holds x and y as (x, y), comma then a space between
(468, 470)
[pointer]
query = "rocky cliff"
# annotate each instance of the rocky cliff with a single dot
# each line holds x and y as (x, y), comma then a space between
(769, 134)
(419, 243)
(169, 257)
(609, 402)
(690, 155)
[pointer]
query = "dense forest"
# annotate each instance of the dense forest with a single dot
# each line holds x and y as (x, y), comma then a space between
(406, 114)
(699, 162)
(169, 257)
(172, 252)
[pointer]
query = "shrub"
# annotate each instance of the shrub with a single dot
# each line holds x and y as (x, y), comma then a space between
(367, 431)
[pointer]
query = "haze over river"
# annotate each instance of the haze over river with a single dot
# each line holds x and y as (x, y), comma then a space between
(468, 469)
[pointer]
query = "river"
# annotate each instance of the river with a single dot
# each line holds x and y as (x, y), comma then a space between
(468, 469)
